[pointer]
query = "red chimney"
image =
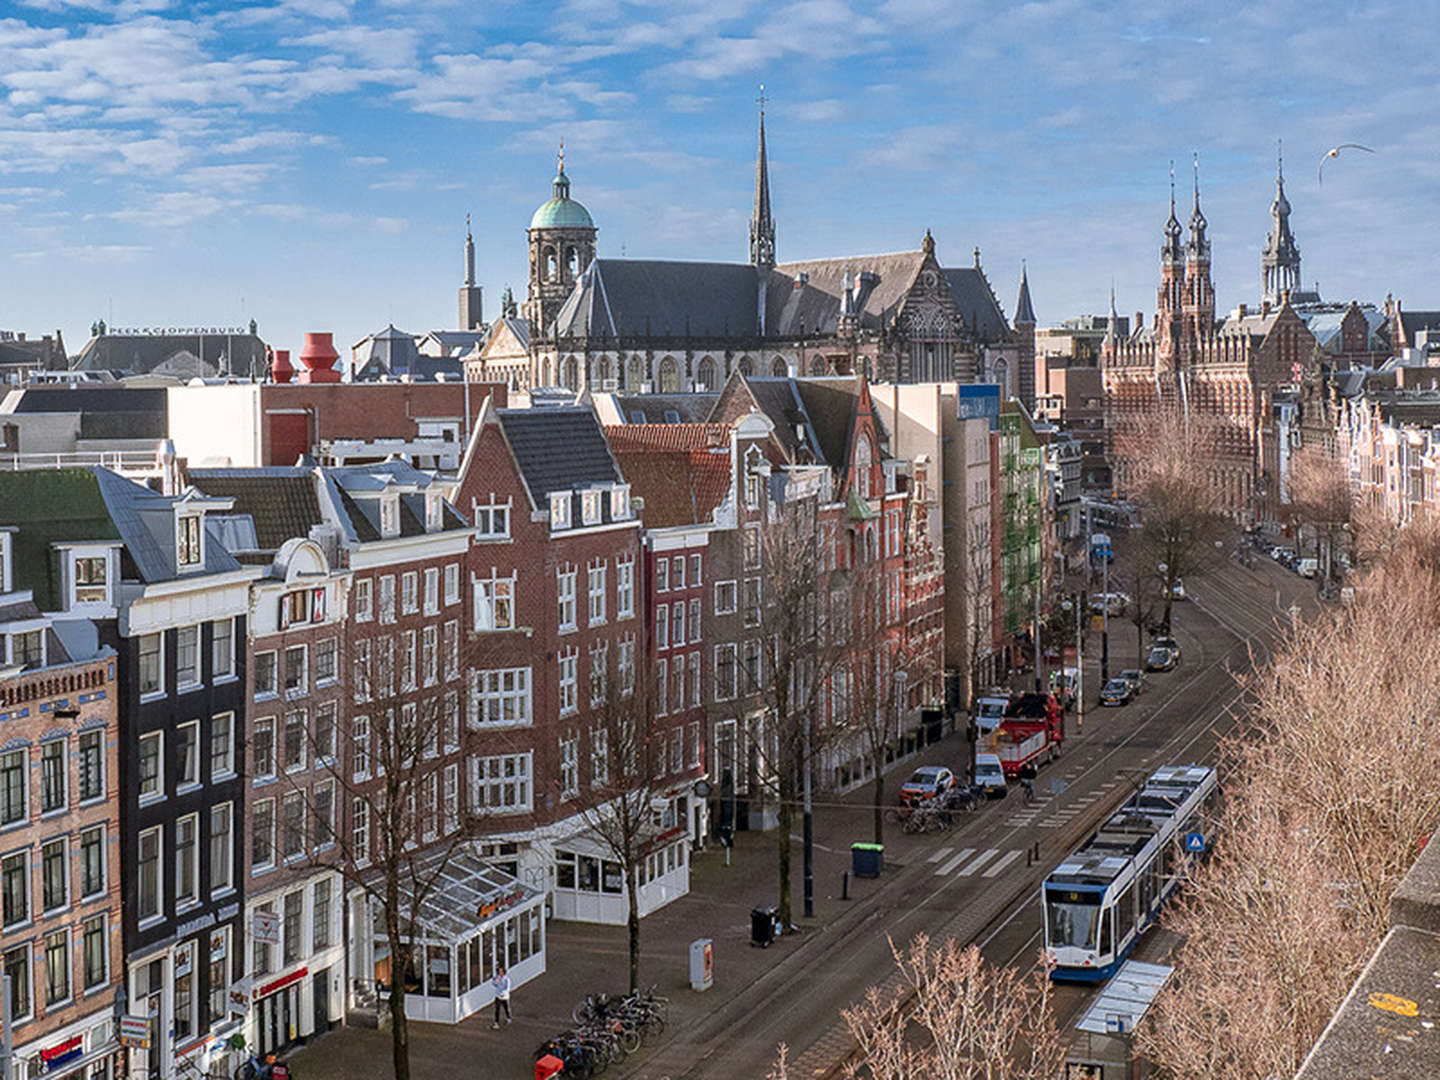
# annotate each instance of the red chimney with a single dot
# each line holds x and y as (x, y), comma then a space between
(280, 369)
(319, 357)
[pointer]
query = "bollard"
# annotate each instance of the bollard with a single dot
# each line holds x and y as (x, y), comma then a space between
(845, 885)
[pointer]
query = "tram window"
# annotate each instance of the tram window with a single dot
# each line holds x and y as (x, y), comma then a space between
(1072, 924)
(1125, 915)
(1106, 945)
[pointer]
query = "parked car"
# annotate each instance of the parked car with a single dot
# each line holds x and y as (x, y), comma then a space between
(1135, 677)
(1307, 568)
(926, 783)
(990, 775)
(1165, 641)
(1177, 591)
(1117, 692)
(1159, 659)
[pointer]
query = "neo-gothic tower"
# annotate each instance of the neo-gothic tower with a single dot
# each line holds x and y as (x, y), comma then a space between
(562, 245)
(1199, 292)
(1170, 301)
(1280, 265)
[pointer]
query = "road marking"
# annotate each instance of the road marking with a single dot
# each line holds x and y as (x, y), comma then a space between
(1000, 864)
(940, 854)
(980, 860)
(956, 861)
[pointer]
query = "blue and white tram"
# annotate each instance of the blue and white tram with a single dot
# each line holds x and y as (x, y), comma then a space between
(1100, 899)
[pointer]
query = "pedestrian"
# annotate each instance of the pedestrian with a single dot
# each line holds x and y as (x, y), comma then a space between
(501, 985)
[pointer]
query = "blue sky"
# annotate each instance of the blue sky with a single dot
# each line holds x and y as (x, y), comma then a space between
(309, 163)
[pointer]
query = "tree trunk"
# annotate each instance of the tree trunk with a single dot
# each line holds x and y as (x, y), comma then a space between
(879, 796)
(633, 925)
(399, 1027)
(786, 787)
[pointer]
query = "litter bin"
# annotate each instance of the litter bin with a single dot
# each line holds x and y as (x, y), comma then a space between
(548, 1066)
(867, 860)
(762, 926)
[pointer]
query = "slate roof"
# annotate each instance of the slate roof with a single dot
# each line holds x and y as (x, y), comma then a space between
(344, 483)
(146, 522)
(1412, 322)
(830, 404)
(976, 302)
(280, 501)
(659, 298)
(106, 412)
(814, 307)
(1325, 325)
(387, 352)
(178, 354)
(1255, 325)
(777, 398)
(1024, 309)
(456, 343)
(691, 408)
(558, 449)
(520, 328)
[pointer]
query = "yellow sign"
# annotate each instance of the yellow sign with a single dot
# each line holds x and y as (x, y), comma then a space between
(1391, 1003)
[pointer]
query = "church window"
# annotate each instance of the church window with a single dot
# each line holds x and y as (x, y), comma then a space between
(572, 262)
(635, 376)
(669, 376)
(572, 373)
(778, 368)
(705, 374)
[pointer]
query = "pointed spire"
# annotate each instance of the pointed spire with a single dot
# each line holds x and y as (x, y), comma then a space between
(469, 254)
(1170, 251)
(561, 184)
(1199, 246)
(1024, 309)
(762, 225)
(1110, 331)
(1280, 262)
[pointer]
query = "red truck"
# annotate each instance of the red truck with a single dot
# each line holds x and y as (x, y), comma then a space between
(1031, 732)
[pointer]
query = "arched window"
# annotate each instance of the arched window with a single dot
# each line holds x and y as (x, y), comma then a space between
(572, 262)
(778, 367)
(635, 375)
(602, 372)
(705, 374)
(669, 376)
(549, 262)
(746, 368)
(572, 373)
(863, 461)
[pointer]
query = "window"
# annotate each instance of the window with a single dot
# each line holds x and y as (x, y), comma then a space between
(295, 681)
(599, 672)
(662, 687)
(17, 966)
(360, 673)
(28, 649)
(590, 507)
(262, 833)
(694, 680)
(724, 672)
(364, 600)
(92, 862)
(677, 684)
(52, 776)
(14, 800)
(595, 579)
(360, 830)
(295, 740)
(693, 740)
(152, 665)
(323, 823)
(219, 979)
(752, 601)
(753, 668)
(432, 590)
(264, 668)
(360, 750)
(292, 838)
(263, 956)
(15, 887)
(222, 846)
(569, 682)
(90, 574)
(187, 540)
(327, 665)
(293, 926)
(725, 598)
(452, 649)
(96, 954)
(500, 696)
(695, 570)
(54, 878)
(570, 766)
(620, 501)
(187, 860)
(495, 603)
(187, 754)
(187, 656)
(625, 587)
(677, 572)
(492, 519)
(222, 745)
(296, 608)
(222, 649)
(565, 592)
(320, 914)
(560, 510)
(262, 746)
(451, 796)
(147, 862)
(387, 598)
(677, 750)
(57, 967)
(677, 623)
(325, 731)
(152, 748)
(501, 782)
(625, 665)
(599, 756)
(751, 541)
(429, 655)
(452, 583)
(409, 592)
(662, 574)
(662, 626)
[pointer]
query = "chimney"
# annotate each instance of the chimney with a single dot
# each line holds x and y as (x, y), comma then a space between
(280, 369)
(1264, 308)
(319, 358)
(1139, 322)
(1242, 311)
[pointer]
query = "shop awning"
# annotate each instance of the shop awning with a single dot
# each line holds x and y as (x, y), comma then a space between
(466, 892)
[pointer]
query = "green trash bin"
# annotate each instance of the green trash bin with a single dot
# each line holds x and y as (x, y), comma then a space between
(867, 860)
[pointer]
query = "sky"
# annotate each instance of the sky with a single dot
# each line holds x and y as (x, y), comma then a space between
(309, 163)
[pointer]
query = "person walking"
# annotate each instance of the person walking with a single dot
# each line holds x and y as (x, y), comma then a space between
(501, 985)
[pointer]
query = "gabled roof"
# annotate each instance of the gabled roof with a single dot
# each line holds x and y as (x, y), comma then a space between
(1412, 322)
(659, 298)
(146, 522)
(518, 329)
(811, 307)
(280, 501)
(976, 303)
(777, 399)
(180, 354)
(830, 404)
(455, 343)
(558, 449)
(666, 438)
(682, 471)
(656, 408)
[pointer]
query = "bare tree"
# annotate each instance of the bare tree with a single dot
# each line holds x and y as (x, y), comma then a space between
(1330, 794)
(1320, 497)
(953, 1016)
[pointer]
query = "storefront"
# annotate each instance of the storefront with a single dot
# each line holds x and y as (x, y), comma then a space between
(83, 1050)
(476, 919)
(590, 884)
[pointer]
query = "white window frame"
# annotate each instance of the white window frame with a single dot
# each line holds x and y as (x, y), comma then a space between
(620, 502)
(727, 597)
(625, 664)
(486, 514)
(565, 597)
(222, 883)
(507, 693)
(158, 833)
(569, 745)
(431, 598)
(274, 688)
(146, 797)
(410, 592)
(568, 679)
(488, 778)
(662, 626)
(490, 594)
(193, 897)
(183, 524)
(595, 589)
(452, 583)
(222, 665)
(386, 614)
(102, 588)
(196, 775)
(590, 507)
(726, 693)
(560, 510)
(159, 690)
(662, 574)
(364, 599)
(696, 565)
(625, 586)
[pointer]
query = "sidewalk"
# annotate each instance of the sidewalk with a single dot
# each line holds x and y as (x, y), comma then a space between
(584, 958)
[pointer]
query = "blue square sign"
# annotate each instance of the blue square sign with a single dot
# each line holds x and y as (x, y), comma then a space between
(1195, 841)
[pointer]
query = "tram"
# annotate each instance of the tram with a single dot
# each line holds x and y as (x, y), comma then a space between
(1100, 899)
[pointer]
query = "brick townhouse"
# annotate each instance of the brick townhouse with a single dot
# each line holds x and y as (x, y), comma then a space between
(60, 870)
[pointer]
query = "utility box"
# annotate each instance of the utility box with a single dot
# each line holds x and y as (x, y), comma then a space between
(702, 964)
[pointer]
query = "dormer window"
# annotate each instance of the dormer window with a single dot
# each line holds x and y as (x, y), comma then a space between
(389, 515)
(754, 482)
(560, 510)
(434, 511)
(189, 552)
(590, 507)
(620, 502)
(492, 519)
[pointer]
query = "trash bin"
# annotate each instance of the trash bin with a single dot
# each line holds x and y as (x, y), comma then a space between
(867, 860)
(548, 1066)
(762, 926)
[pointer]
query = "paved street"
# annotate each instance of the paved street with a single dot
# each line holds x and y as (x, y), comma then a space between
(958, 882)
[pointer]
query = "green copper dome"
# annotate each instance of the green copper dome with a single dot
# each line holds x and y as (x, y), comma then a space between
(562, 214)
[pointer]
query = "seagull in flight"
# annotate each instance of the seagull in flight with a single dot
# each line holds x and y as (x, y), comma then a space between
(1334, 152)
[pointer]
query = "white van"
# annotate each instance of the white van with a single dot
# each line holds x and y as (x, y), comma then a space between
(1307, 567)
(990, 775)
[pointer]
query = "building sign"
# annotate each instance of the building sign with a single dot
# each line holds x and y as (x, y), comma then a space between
(978, 401)
(135, 1032)
(62, 1053)
(500, 903)
(265, 927)
(172, 331)
(281, 983)
(184, 958)
(219, 943)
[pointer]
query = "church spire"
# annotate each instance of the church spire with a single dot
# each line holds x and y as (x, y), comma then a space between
(1199, 246)
(1024, 309)
(469, 254)
(762, 225)
(1280, 264)
(1170, 250)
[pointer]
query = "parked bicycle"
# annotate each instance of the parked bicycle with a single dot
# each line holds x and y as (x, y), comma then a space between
(607, 1030)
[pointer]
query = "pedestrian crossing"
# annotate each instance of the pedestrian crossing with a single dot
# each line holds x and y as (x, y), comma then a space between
(969, 862)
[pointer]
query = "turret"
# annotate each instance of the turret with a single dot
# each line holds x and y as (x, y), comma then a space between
(1280, 264)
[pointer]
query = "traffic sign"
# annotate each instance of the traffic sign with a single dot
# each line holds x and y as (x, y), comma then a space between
(135, 1032)
(1195, 842)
